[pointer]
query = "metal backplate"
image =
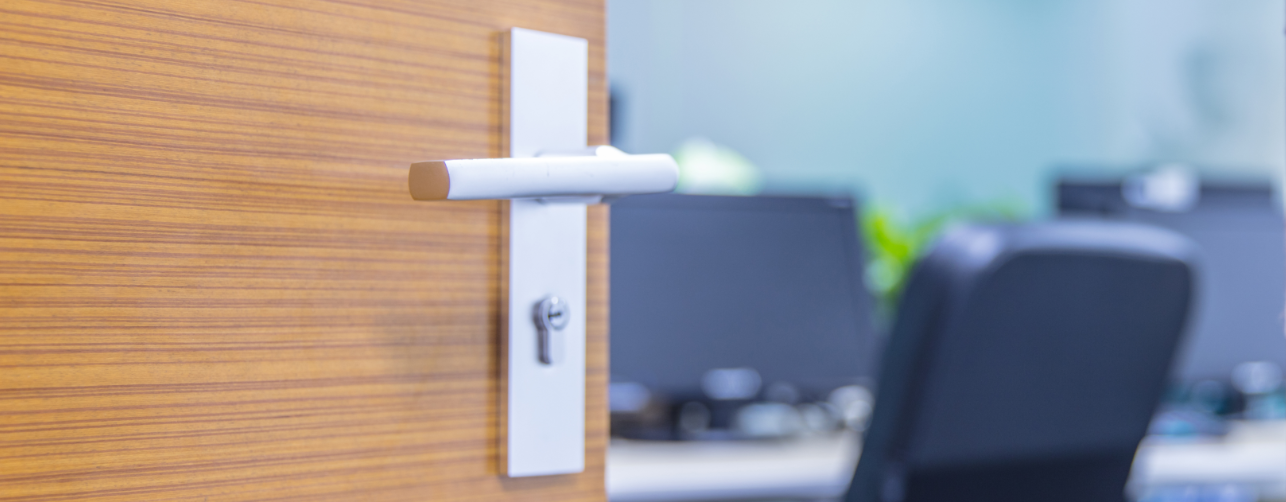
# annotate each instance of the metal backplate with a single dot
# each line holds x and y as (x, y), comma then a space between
(545, 403)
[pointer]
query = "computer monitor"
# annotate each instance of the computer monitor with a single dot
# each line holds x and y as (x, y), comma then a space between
(773, 284)
(1241, 282)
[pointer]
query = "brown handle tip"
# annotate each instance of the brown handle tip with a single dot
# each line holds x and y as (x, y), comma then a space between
(429, 180)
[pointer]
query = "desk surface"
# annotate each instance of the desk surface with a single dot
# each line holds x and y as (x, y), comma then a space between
(1253, 454)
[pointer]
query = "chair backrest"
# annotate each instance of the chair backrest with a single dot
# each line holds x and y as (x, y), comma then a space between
(1026, 363)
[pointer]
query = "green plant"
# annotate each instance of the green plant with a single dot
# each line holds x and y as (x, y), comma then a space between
(893, 245)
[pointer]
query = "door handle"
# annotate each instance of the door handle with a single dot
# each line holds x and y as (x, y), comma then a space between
(601, 171)
(549, 180)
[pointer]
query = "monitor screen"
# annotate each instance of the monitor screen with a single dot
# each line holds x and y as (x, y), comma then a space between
(703, 283)
(1241, 286)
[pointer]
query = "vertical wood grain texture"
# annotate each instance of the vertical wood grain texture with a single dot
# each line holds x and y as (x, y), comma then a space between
(213, 283)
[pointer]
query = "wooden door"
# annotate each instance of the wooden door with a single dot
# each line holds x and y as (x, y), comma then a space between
(213, 283)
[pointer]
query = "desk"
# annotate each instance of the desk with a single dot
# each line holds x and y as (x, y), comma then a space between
(813, 468)
(808, 468)
(1253, 454)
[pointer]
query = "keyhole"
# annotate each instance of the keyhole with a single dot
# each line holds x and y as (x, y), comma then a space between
(551, 316)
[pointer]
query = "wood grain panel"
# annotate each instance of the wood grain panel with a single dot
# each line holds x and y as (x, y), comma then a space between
(213, 284)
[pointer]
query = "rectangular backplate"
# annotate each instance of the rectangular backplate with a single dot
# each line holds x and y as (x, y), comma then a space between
(545, 403)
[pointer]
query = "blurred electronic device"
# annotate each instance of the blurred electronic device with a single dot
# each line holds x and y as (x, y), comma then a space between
(721, 301)
(1241, 234)
(1026, 363)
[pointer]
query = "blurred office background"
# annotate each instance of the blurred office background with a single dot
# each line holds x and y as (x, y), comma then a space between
(910, 116)
(926, 104)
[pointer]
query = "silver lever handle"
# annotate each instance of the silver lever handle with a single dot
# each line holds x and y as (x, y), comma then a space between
(598, 171)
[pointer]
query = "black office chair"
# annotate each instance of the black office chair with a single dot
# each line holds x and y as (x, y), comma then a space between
(1025, 364)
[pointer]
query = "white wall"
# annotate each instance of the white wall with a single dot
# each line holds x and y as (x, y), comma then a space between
(924, 104)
